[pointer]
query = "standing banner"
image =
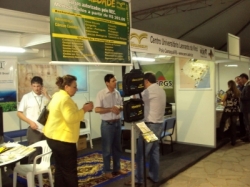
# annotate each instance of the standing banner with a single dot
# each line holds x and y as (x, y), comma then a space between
(90, 32)
(8, 84)
(146, 42)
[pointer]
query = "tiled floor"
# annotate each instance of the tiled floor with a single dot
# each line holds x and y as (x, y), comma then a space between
(229, 166)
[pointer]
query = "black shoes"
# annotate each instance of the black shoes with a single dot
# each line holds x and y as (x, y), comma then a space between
(245, 139)
(149, 178)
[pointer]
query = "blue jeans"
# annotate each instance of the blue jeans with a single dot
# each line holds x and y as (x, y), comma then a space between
(151, 149)
(111, 145)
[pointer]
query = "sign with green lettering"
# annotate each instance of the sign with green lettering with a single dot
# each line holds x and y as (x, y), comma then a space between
(93, 31)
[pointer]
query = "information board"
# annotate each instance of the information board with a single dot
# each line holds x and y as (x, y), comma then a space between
(93, 31)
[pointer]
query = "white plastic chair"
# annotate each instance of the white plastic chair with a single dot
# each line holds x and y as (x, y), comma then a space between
(30, 170)
(87, 131)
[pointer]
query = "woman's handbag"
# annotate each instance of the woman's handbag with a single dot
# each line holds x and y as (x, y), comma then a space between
(44, 115)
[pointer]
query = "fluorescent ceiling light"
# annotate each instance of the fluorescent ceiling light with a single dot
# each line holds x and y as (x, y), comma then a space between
(5, 49)
(231, 65)
(161, 56)
(143, 59)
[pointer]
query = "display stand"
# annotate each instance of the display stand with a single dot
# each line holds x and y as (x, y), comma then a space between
(133, 155)
(148, 136)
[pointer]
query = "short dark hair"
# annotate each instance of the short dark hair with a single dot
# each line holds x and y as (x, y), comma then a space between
(36, 79)
(243, 75)
(108, 77)
(150, 77)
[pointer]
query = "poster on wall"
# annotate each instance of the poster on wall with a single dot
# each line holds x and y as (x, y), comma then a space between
(8, 84)
(165, 77)
(90, 31)
(194, 74)
(49, 73)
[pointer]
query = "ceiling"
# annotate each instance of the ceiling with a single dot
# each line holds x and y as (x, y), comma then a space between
(204, 22)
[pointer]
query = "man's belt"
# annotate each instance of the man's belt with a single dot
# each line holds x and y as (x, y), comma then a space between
(150, 122)
(112, 120)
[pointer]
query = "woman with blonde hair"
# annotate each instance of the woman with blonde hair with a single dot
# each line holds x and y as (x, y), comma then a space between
(231, 110)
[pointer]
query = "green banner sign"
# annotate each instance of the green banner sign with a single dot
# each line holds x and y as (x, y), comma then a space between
(94, 31)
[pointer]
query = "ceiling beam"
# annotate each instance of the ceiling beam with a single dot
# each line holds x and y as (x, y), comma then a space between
(22, 22)
(174, 8)
(28, 40)
(209, 19)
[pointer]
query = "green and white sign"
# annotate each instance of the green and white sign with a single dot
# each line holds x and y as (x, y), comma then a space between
(93, 31)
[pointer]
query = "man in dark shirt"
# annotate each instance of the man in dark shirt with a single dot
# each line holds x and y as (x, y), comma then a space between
(245, 104)
(240, 86)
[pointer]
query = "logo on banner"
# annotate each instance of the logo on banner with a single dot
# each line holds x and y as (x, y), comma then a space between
(162, 82)
(121, 5)
(139, 38)
(2, 64)
(205, 53)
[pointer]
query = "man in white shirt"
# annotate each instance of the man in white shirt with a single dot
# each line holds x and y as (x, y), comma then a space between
(154, 98)
(109, 105)
(29, 110)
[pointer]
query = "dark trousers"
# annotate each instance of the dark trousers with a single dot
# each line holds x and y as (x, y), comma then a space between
(65, 155)
(34, 136)
(242, 125)
(232, 128)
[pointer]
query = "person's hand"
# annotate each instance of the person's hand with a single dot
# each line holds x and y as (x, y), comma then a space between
(115, 110)
(88, 107)
(33, 125)
(45, 92)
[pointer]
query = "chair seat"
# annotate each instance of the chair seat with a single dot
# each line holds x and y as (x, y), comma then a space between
(165, 134)
(23, 169)
(84, 131)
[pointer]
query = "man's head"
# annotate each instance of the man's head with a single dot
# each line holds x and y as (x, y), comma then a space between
(237, 81)
(149, 78)
(110, 81)
(37, 85)
(243, 78)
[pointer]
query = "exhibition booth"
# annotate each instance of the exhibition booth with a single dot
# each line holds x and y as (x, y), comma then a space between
(190, 74)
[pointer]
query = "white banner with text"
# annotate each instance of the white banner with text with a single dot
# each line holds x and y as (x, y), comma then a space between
(141, 41)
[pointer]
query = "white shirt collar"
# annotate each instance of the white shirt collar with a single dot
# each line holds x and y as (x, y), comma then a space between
(36, 94)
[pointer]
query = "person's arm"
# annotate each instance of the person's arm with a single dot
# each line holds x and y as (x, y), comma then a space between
(32, 124)
(245, 94)
(45, 93)
(223, 101)
(101, 110)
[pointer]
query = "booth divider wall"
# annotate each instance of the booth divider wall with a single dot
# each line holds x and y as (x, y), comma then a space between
(195, 111)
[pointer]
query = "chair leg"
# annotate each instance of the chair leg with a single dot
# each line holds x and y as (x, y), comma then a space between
(171, 144)
(90, 141)
(51, 179)
(14, 178)
(40, 180)
(30, 180)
